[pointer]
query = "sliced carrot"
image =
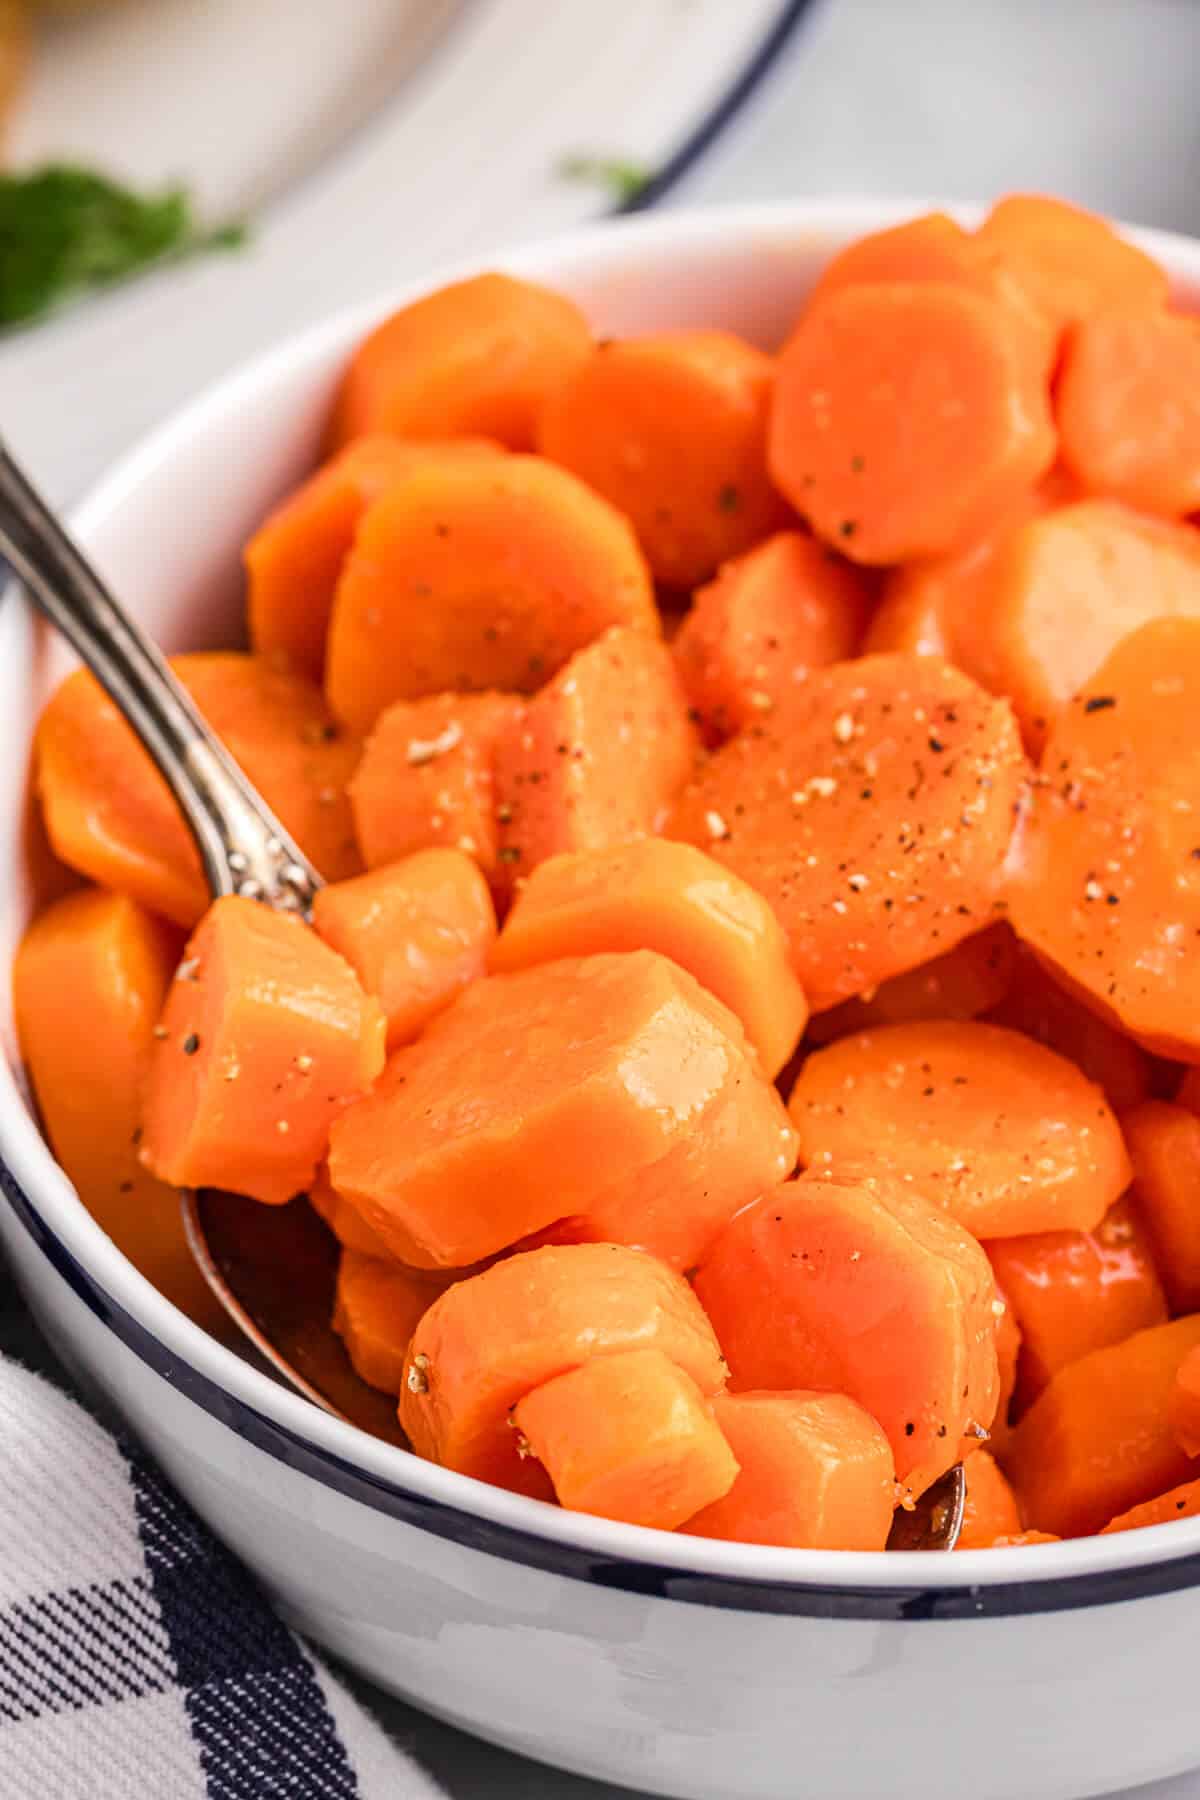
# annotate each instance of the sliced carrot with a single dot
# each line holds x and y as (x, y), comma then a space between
(959, 984)
(1020, 1540)
(1071, 263)
(656, 895)
(1164, 1147)
(627, 1437)
(415, 933)
(345, 1221)
(1185, 1404)
(1098, 1440)
(816, 1474)
(265, 1037)
(1072, 1292)
(862, 1290)
(377, 1307)
(295, 557)
(110, 815)
(88, 983)
(1008, 1352)
(908, 416)
(874, 813)
(1036, 1005)
(1180, 1503)
(489, 1341)
(990, 1508)
(1128, 409)
(476, 575)
(480, 356)
(672, 429)
(770, 616)
(1106, 882)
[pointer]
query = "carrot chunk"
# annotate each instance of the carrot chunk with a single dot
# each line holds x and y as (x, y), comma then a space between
(1098, 1440)
(415, 933)
(672, 429)
(1180, 1503)
(1164, 1147)
(656, 895)
(265, 1036)
(1106, 885)
(1070, 262)
(345, 1221)
(110, 814)
(487, 1342)
(816, 1474)
(377, 1307)
(476, 575)
(990, 1508)
(908, 416)
(1020, 1540)
(627, 1437)
(1004, 1134)
(1185, 1404)
(1128, 408)
(1008, 1353)
(874, 813)
(864, 1290)
(959, 984)
(1036, 1005)
(478, 357)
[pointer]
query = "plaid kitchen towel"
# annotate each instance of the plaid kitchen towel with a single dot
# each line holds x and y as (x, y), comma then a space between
(138, 1661)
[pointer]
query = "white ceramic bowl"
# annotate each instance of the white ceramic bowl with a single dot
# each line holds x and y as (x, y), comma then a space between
(719, 1671)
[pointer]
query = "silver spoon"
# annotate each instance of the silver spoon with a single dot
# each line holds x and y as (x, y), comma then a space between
(272, 1268)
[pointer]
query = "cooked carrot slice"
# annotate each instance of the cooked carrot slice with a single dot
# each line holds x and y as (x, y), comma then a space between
(478, 357)
(1036, 1005)
(959, 984)
(88, 983)
(265, 1036)
(1071, 263)
(1008, 1353)
(110, 815)
(1128, 409)
(1180, 1503)
(1164, 1147)
(1107, 883)
(1007, 1136)
(862, 1290)
(1185, 1404)
(489, 1341)
(345, 1221)
(627, 1437)
(1098, 1440)
(1020, 1540)
(476, 575)
(770, 616)
(874, 813)
(908, 416)
(377, 1307)
(990, 1508)
(1072, 1292)
(816, 1474)
(295, 557)
(672, 429)
(656, 895)
(415, 933)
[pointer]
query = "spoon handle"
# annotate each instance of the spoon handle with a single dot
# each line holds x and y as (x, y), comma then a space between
(243, 847)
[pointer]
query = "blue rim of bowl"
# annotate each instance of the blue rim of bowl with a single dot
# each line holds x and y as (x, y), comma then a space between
(729, 1593)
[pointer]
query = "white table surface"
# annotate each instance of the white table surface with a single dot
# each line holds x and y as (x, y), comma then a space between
(1093, 99)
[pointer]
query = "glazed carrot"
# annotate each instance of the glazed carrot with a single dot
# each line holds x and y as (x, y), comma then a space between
(1127, 409)
(656, 895)
(1008, 1352)
(672, 430)
(1007, 1136)
(346, 1223)
(476, 575)
(377, 1307)
(1072, 1292)
(544, 1094)
(907, 417)
(959, 984)
(479, 357)
(1164, 1147)
(597, 757)
(990, 1508)
(110, 815)
(1020, 1540)
(770, 616)
(415, 933)
(295, 557)
(1036, 1005)
(426, 778)
(816, 1474)
(874, 813)
(627, 1437)
(88, 982)
(265, 1036)
(1098, 1440)
(862, 1290)
(1071, 263)
(1106, 887)
(1185, 1404)
(489, 1341)
(1180, 1503)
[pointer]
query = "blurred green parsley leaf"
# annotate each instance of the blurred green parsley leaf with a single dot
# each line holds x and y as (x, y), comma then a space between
(618, 176)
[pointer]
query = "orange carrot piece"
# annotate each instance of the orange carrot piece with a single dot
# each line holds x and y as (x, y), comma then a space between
(345, 1221)
(816, 1474)
(990, 1508)
(1008, 1353)
(477, 575)
(1020, 1540)
(839, 809)
(1098, 1440)
(1106, 885)
(656, 895)
(1128, 409)
(672, 430)
(1179, 1503)
(1071, 263)
(478, 357)
(770, 616)
(1185, 1404)
(1036, 1005)
(627, 1437)
(862, 1290)
(415, 933)
(959, 984)
(265, 1037)
(110, 814)
(1164, 1147)
(907, 417)
(377, 1307)
(487, 1342)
